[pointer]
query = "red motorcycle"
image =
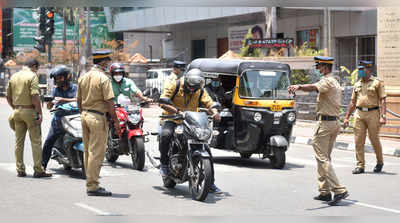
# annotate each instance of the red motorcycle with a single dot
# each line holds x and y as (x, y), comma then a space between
(130, 140)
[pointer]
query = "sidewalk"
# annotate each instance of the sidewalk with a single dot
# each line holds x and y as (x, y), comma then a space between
(304, 130)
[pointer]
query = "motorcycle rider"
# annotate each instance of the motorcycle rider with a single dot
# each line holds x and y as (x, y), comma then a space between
(188, 97)
(122, 85)
(64, 92)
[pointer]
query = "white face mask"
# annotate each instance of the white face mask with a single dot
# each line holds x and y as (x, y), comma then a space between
(117, 78)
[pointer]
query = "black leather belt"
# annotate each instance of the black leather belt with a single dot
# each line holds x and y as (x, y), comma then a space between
(367, 109)
(326, 118)
(94, 111)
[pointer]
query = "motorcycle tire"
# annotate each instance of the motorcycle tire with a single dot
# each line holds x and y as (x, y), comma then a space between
(200, 183)
(245, 155)
(83, 165)
(168, 182)
(278, 161)
(110, 155)
(138, 153)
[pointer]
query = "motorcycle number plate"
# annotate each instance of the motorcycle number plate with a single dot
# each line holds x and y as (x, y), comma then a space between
(276, 108)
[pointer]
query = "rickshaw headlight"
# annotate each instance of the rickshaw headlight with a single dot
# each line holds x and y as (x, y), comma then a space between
(257, 116)
(291, 117)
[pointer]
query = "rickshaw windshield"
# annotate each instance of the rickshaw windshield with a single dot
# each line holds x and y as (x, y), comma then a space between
(262, 84)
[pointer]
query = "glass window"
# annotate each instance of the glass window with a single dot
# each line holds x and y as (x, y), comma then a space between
(264, 84)
(166, 73)
(310, 36)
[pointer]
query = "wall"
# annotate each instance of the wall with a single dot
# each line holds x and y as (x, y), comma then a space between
(144, 40)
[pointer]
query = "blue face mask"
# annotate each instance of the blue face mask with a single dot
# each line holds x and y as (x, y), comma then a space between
(361, 73)
(215, 83)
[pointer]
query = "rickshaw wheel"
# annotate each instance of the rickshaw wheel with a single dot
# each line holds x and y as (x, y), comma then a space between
(245, 155)
(278, 161)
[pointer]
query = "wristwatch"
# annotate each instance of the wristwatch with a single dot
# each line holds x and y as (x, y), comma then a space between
(383, 116)
(299, 87)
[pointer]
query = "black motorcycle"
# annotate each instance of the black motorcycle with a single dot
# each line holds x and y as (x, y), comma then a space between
(189, 157)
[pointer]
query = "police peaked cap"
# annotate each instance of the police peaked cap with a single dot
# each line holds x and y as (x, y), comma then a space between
(323, 60)
(365, 63)
(179, 64)
(100, 55)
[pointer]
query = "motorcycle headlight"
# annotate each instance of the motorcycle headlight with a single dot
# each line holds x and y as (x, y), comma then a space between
(257, 116)
(134, 118)
(291, 117)
(179, 130)
(202, 134)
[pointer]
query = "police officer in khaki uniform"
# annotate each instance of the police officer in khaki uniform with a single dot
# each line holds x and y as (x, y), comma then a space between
(23, 97)
(327, 129)
(177, 70)
(369, 98)
(95, 98)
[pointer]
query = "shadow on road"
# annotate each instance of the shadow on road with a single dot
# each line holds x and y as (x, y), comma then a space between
(122, 165)
(115, 195)
(182, 192)
(74, 173)
(253, 163)
(343, 203)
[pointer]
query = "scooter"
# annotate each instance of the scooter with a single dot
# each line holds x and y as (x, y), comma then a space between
(68, 150)
(131, 138)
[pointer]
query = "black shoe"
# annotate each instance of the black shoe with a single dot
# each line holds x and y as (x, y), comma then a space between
(215, 189)
(327, 197)
(338, 197)
(378, 168)
(358, 170)
(99, 192)
(21, 174)
(41, 174)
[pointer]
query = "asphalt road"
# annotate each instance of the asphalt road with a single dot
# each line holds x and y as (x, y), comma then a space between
(251, 187)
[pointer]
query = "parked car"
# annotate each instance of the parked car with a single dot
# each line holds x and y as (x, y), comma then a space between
(155, 79)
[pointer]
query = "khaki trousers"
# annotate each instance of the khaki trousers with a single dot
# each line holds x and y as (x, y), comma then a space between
(94, 137)
(367, 120)
(323, 141)
(23, 121)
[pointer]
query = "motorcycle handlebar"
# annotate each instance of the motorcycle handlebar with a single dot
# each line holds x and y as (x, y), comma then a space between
(174, 117)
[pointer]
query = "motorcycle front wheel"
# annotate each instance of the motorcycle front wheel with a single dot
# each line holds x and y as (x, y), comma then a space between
(137, 152)
(83, 165)
(111, 155)
(201, 180)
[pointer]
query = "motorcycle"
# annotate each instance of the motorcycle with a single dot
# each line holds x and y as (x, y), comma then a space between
(189, 156)
(68, 150)
(131, 138)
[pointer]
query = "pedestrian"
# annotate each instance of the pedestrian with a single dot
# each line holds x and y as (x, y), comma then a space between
(327, 129)
(95, 98)
(369, 98)
(23, 97)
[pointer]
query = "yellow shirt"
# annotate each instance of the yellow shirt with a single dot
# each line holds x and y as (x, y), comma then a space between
(329, 96)
(186, 102)
(367, 94)
(22, 86)
(94, 89)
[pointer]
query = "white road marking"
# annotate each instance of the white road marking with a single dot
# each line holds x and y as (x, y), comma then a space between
(95, 210)
(372, 206)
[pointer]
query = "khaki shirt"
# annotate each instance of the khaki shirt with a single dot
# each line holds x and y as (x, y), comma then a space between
(172, 77)
(94, 89)
(367, 94)
(186, 102)
(22, 86)
(329, 96)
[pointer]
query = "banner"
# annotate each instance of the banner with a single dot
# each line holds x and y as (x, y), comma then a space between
(26, 27)
(237, 35)
(270, 43)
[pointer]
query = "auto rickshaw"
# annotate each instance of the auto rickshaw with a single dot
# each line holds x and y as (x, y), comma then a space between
(258, 114)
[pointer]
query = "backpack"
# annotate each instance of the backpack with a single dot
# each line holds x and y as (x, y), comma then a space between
(178, 86)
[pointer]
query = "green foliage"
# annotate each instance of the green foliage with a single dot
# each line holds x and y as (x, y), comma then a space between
(246, 51)
(352, 76)
(304, 50)
(299, 77)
